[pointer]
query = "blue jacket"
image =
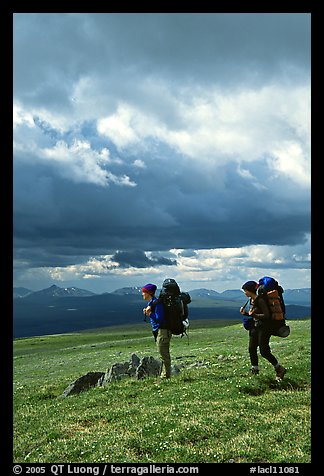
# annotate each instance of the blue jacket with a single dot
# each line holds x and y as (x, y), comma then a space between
(157, 316)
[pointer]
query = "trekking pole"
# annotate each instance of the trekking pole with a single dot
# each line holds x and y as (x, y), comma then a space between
(247, 302)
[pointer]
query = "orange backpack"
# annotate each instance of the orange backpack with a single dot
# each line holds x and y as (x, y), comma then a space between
(270, 289)
(274, 303)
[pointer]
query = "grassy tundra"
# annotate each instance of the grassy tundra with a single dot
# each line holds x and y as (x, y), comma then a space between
(214, 411)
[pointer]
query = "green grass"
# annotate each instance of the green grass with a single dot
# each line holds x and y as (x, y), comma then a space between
(213, 411)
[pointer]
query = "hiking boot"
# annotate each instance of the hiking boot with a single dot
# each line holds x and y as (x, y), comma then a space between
(280, 372)
(254, 371)
(160, 380)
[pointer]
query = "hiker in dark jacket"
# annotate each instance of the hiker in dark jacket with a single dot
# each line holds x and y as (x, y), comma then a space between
(162, 336)
(260, 331)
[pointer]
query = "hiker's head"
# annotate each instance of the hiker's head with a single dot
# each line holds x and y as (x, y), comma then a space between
(250, 287)
(148, 290)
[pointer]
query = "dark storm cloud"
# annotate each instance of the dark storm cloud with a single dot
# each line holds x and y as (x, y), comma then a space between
(138, 259)
(188, 253)
(123, 49)
(61, 219)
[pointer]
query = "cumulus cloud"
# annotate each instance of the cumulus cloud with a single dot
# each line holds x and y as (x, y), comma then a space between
(76, 161)
(290, 160)
(214, 127)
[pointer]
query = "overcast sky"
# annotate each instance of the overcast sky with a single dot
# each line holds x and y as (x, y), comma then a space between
(161, 145)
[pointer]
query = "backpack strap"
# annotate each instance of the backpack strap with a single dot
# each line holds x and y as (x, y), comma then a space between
(182, 307)
(281, 299)
(157, 301)
(261, 298)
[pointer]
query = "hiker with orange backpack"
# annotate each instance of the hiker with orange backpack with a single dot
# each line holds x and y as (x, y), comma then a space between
(260, 326)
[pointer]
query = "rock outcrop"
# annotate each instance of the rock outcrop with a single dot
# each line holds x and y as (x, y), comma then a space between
(135, 367)
(83, 383)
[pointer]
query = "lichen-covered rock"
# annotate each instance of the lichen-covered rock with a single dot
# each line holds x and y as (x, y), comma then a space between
(135, 367)
(149, 366)
(83, 383)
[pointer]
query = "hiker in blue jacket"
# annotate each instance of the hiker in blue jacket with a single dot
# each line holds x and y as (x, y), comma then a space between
(260, 330)
(162, 336)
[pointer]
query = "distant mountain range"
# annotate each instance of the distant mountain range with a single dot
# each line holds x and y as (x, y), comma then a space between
(52, 291)
(291, 296)
(57, 310)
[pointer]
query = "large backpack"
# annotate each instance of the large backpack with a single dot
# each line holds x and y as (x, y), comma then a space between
(272, 292)
(175, 307)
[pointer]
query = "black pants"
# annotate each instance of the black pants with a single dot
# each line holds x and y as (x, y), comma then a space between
(260, 337)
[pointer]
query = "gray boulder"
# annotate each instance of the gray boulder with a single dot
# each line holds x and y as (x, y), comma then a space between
(133, 364)
(116, 372)
(83, 383)
(119, 371)
(149, 366)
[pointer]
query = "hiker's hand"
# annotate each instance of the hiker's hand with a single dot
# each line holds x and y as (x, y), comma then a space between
(251, 311)
(147, 311)
(242, 310)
